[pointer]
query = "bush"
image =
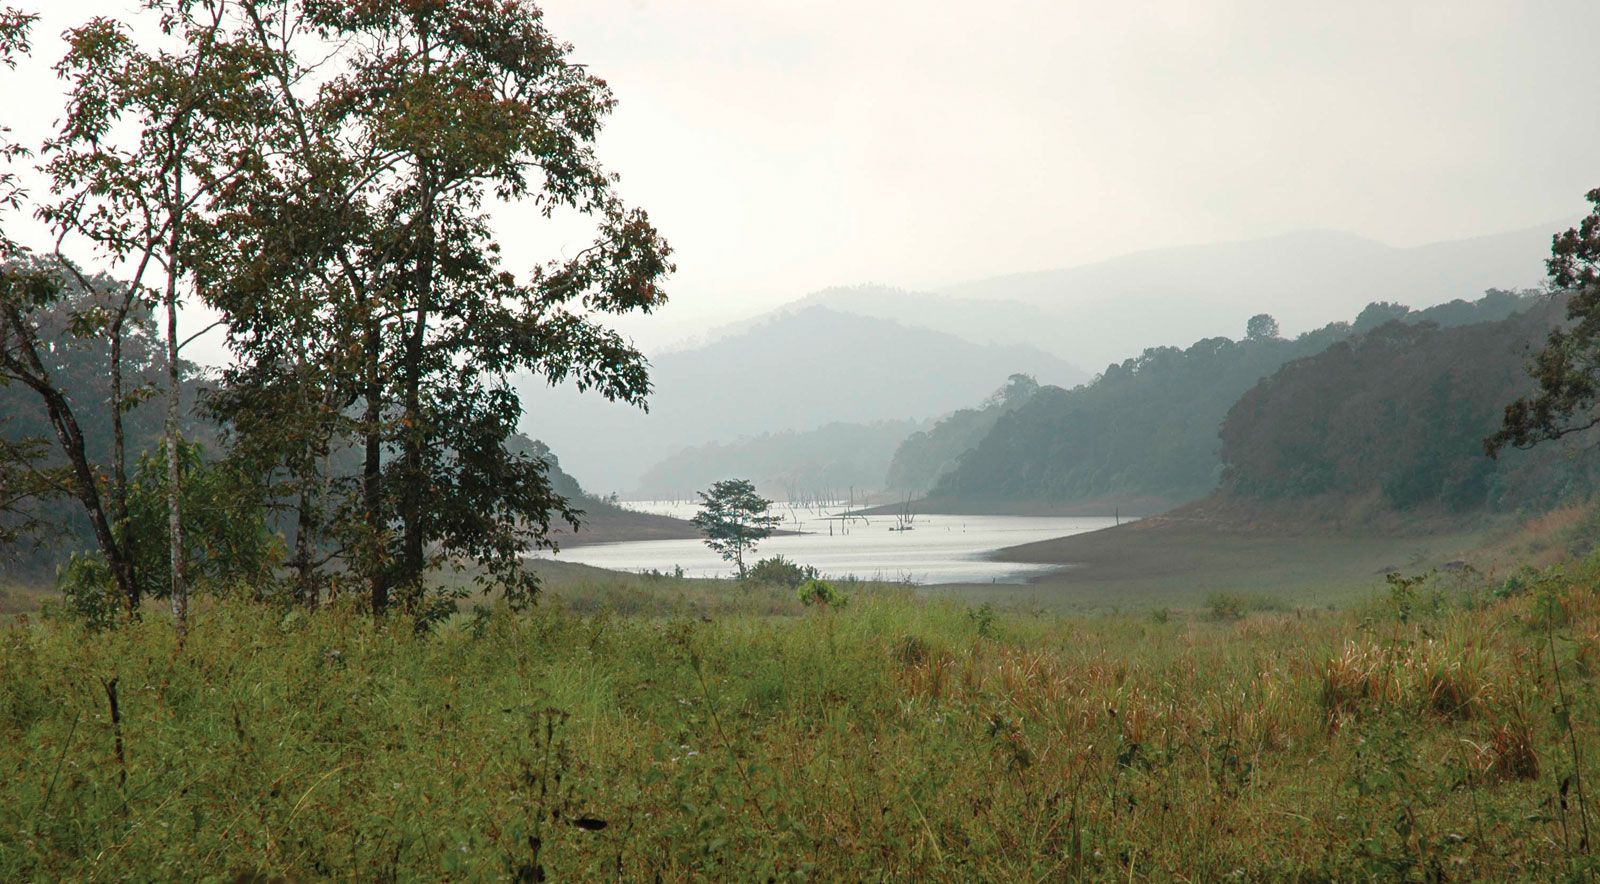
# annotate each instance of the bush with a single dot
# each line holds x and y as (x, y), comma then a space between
(88, 593)
(779, 571)
(820, 592)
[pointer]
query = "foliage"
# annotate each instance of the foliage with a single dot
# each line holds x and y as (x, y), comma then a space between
(321, 176)
(1399, 413)
(1261, 327)
(779, 571)
(355, 325)
(226, 540)
(1148, 426)
(88, 592)
(887, 740)
(734, 519)
(1565, 370)
(820, 593)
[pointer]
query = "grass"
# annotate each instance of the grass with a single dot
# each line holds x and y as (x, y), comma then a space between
(719, 732)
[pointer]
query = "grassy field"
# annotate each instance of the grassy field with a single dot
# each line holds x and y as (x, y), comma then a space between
(640, 727)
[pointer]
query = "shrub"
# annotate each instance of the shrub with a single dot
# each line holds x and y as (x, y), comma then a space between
(1232, 606)
(820, 592)
(779, 571)
(88, 593)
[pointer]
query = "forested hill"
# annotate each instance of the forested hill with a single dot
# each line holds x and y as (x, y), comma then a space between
(1399, 415)
(924, 457)
(1148, 427)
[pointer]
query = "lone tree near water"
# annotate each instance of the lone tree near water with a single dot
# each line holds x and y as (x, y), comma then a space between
(734, 518)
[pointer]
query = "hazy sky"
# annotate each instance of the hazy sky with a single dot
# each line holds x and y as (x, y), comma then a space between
(784, 147)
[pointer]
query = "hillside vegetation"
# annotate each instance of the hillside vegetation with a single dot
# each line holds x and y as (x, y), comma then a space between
(892, 738)
(925, 457)
(1148, 426)
(1401, 413)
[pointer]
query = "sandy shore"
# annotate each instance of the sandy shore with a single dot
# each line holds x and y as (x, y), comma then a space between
(1175, 562)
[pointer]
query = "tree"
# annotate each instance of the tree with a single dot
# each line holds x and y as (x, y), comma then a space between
(734, 518)
(1261, 327)
(152, 133)
(364, 230)
(30, 354)
(1567, 369)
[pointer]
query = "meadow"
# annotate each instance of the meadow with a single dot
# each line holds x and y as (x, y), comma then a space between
(635, 727)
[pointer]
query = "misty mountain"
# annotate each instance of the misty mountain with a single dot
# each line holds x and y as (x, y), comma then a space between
(1167, 296)
(798, 371)
(982, 321)
(787, 465)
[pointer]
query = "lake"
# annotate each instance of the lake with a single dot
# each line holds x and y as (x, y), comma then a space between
(940, 548)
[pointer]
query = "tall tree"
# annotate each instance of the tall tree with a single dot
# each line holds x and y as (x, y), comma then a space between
(376, 176)
(734, 518)
(152, 133)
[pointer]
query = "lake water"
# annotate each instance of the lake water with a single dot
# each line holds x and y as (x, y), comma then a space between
(939, 548)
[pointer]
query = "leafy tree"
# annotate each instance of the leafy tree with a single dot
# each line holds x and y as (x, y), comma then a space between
(1261, 327)
(1567, 369)
(226, 540)
(734, 519)
(373, 306)
(153, 131)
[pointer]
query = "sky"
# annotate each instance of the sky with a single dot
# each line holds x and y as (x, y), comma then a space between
(785, 147)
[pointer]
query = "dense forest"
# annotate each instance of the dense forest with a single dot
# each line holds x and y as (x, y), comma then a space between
(80, 367)
(1402, 412)
(1148, 426)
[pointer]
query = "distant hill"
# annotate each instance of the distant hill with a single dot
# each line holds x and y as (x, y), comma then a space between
(1307, 279)
(925, 457)
(1398, 416)
(789, 465)
(799, 371)
(1147, 428)
(982, 321)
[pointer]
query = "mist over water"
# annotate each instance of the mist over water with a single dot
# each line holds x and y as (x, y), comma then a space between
(939, 548)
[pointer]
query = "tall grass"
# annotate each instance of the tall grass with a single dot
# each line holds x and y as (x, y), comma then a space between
(743, 737)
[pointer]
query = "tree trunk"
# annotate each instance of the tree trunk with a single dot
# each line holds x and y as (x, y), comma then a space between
(175, 552)
(372, 468)
(414, 544)
(305, 578)
(32, 372)
(180, 587)
(119, 440)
